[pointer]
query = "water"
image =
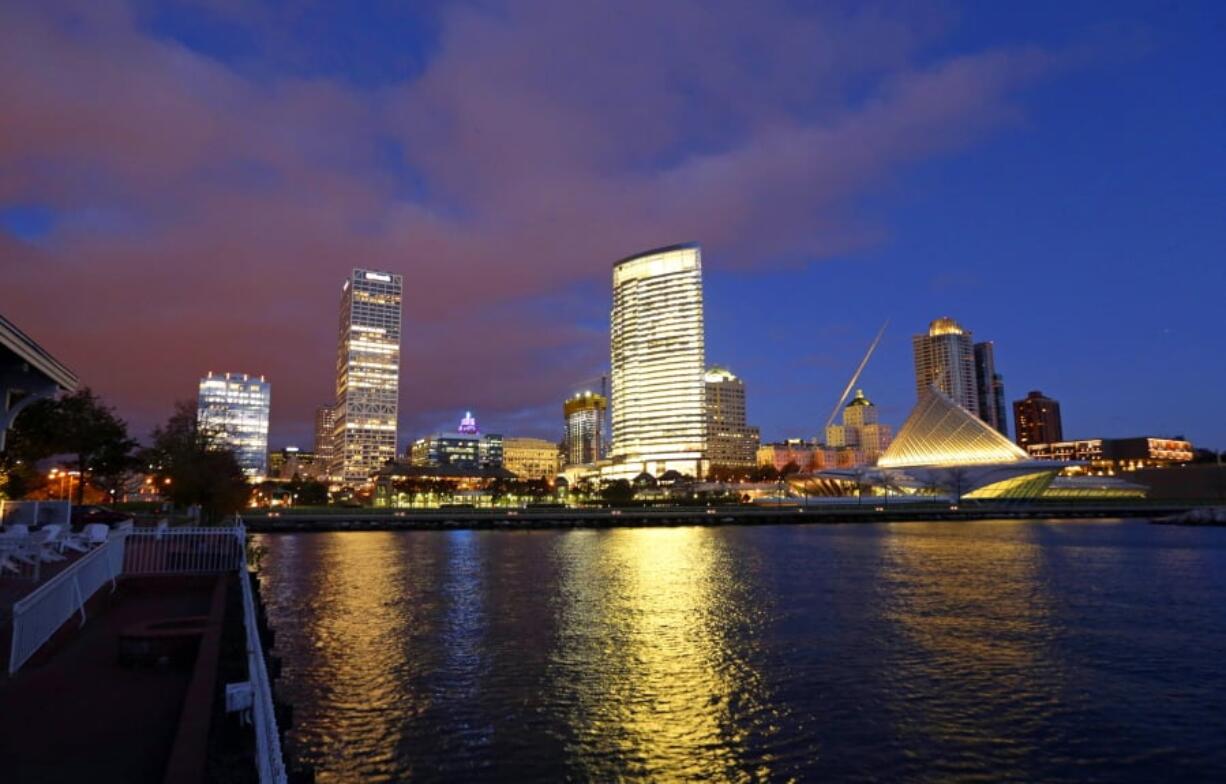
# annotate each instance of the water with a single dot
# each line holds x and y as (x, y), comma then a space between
(1024, 651)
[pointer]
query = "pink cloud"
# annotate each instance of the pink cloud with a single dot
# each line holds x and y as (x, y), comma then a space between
(207, 218)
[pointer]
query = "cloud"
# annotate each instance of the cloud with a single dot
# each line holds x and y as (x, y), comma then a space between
(206, 214)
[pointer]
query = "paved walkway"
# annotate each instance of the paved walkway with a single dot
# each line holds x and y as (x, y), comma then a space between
(82, 717)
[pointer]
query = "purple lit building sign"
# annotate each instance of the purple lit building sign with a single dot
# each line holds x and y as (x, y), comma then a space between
(468, 425)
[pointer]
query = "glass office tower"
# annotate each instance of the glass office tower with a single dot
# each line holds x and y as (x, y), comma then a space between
(367, 376)
(658, 363)
(584, 417)
(233, 409)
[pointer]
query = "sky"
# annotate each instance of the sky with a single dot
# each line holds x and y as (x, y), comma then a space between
(185, 185)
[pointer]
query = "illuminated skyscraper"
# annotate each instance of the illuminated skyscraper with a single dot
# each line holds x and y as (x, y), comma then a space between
(731, 443)
(658, 363)
(325, 424)
(945, 359)
(367, 375)
(990, 386)
(584, 441)
(233, 408)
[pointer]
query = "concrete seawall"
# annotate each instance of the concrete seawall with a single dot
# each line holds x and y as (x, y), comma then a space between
(528, 519)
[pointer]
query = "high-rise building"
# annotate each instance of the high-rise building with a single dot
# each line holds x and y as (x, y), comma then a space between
(465, 448)
(731, 443)
(1036, 420)
(990, 386)
(658, 363)
(325, 424)
(860, 431)
(233, 409)
(584, 441)
(530, 458)
(945, 359)
(367, 375)
(291, 461)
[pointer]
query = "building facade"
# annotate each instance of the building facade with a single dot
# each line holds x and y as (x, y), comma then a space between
(788, 453)
(658, 363)
(290, 462)
(860, 431)
(945, 359)
(367, 375)
(584, 441)
(233, 409)
(466, 448)
(531, 458)
(731, 443)
(1113, 455)
(325, 424)
(990, 386)
(1036, 420)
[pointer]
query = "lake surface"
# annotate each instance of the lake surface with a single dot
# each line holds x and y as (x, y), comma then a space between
(1010, 650)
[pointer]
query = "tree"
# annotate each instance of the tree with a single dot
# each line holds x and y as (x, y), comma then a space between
(77, 424)
(195, 468)
(619, 491)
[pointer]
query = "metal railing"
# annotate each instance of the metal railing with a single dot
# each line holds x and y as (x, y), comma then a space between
(148, 552)
(269, 761)
(36, 617)
(181, 551)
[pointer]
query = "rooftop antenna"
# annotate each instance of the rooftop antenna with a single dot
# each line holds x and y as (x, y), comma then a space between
(855, 376)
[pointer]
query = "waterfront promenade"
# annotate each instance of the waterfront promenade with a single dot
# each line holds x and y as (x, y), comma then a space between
(339, 519)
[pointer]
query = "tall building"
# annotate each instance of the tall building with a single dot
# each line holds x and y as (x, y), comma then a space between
(860, 431)
(731, 443)
(1036, 420)
(584, 442)
(990, 386)
(290, 462)
(233, 407)
(367, 375)
(658, 363)
(945, 359)
(325, 423)
(530, 458)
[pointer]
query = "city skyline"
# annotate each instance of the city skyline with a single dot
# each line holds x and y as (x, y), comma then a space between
(809, 188)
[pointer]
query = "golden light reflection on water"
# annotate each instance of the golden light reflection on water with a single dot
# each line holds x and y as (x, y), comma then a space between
(645, 631)
(351, 611)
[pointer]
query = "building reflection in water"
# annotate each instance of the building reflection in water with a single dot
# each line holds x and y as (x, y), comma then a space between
(654, 657)
(351, 608)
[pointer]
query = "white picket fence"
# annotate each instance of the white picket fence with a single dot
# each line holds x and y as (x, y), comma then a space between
(37, 616)
(148, 552)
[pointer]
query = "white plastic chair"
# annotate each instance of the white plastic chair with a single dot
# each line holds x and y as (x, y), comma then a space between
(16, 531)
(51, 542)
(95, 534)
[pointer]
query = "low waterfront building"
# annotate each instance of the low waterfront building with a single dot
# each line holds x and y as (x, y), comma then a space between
(531, 458)
(792, 452)
(1112, 455)
(233, 409)
(402, 484)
